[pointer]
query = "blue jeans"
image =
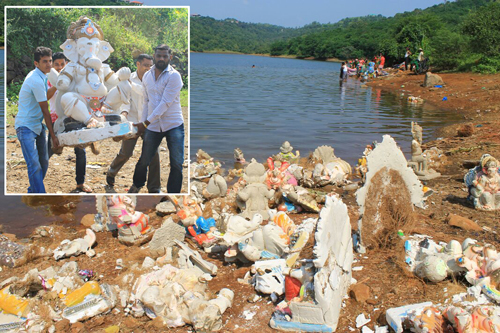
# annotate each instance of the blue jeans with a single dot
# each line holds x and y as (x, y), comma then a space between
(151, 142)
(81, 162)
(34, 149)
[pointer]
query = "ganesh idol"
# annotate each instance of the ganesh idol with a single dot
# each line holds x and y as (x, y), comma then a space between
(88, 87)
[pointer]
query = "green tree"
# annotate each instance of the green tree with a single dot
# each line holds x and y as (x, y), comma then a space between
(483, 27)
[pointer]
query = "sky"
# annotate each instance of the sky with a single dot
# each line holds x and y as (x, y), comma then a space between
(294, 13)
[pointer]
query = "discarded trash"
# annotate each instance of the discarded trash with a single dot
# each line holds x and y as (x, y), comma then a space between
(396, 316)
(76, 247)
(361, 320)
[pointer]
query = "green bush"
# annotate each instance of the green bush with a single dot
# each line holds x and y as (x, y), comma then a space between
(129, 31)
(13, 91)
(448, 50)
(483, 27)
(487, 65)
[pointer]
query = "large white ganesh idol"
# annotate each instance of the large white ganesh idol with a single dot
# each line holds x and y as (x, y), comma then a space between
(86, 85)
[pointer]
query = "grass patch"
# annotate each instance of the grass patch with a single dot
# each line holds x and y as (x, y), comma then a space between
(184, 98)
(12, 109)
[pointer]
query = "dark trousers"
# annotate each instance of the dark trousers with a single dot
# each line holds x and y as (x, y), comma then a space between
(150, 143)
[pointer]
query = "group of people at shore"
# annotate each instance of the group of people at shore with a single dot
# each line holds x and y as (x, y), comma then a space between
(363, 67)
(154, 108)
(373, 68)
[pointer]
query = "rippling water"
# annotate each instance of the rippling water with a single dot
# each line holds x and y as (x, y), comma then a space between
(256, 109)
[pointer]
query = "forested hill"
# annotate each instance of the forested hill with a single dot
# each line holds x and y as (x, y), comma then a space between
(209, 34)
(461, 34)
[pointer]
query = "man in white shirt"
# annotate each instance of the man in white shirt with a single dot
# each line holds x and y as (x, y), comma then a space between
(161, 118)
(420, 55)
(133, 112)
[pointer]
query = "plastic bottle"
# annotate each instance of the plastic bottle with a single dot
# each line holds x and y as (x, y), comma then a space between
(77, 296)
(13, 304)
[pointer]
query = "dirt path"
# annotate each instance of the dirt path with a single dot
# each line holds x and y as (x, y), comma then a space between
(60, 178)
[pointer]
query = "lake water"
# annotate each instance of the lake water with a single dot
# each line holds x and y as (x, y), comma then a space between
(256, 109)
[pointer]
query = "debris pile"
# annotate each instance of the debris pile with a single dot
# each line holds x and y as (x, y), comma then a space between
(247, 226)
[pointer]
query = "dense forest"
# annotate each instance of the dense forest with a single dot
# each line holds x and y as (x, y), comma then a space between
(129, 31)
(209, 34)
(4, 3)
(457, 35)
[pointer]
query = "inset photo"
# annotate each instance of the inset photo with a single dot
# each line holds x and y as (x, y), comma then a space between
(97, 100)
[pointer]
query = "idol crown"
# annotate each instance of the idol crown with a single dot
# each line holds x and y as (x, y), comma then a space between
(84, 27)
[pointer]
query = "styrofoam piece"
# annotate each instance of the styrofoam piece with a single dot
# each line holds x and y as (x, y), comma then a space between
(85, 136)
(293, 326)
(396, 316)
(307, 313)
(361, 320)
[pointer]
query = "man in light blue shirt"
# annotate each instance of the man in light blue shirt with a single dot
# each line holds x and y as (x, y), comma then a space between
(33, 109)
(161, 118)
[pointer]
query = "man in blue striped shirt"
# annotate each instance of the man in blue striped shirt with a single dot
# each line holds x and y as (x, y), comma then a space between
(33, 109)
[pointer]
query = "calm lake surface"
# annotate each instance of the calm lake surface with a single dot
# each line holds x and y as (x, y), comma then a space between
(256, 109)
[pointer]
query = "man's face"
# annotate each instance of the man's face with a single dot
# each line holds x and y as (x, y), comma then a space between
(143, 66)
(59, 64)
(162, 58)
(45, 64)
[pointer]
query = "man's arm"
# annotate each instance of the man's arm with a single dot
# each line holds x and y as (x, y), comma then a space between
(48, 121)
(171, 91)
(51, 92)
(125, 110)
(140, 125)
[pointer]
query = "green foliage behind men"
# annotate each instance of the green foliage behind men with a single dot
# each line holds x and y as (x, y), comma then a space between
(130, 31)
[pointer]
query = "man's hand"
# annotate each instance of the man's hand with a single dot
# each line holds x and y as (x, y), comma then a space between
(55, 142)
(140, 128)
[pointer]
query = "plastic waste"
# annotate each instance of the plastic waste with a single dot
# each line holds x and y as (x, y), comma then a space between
(13, 304)
(79, 294)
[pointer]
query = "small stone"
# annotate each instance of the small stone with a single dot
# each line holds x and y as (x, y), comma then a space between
(360, 292)
(148, 263)
(432, 80)
(88, 220)
(372, 301)
(463, 223)
(465, 130)
(62, 325)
